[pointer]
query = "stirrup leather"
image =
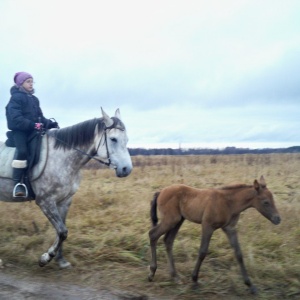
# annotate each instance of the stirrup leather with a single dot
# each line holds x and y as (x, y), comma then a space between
(15, 188)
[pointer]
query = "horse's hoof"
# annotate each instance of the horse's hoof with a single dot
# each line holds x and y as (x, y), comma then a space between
(150, 277)
(45, 258)
(63, 264)
(41, 264)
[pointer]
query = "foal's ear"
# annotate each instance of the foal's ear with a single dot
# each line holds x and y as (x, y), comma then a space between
(262, 181)
(256, 185)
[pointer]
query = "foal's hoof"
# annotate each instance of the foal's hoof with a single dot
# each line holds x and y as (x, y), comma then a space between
(195, 286)
(177, 280)
(151, 274)
(253, 290)
(150, 277)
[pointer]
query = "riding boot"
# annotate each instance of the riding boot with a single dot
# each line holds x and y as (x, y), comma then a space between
(20, 189)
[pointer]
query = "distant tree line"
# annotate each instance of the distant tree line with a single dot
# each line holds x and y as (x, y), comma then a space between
(207, 151)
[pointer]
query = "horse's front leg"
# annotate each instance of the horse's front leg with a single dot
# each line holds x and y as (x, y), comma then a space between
(50, 210)
(63, 208)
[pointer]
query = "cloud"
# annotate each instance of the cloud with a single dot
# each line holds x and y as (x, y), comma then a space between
(180, 71)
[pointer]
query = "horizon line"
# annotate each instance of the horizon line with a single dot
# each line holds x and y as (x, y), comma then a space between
(241, 145)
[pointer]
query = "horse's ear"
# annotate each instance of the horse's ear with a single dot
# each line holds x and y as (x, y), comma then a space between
(256, 185)
(107, 120)
(118, 114)
(262, 181)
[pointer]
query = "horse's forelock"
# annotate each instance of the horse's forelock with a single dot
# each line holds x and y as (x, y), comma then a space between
(118, 124)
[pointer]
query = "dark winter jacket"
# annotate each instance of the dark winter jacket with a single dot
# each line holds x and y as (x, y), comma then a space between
(23, 111)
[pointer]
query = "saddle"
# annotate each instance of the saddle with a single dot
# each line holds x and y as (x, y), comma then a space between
(38, 152)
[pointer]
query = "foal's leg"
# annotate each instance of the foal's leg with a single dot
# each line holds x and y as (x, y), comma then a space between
(154, 234)
(50, 210)
(63, 208)
(207, 232)
(169, 240)
(233, 239)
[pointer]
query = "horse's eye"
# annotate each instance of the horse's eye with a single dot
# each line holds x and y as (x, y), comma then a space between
(114, 140)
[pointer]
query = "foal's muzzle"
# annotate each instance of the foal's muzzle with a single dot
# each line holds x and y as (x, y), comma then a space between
(276, 220)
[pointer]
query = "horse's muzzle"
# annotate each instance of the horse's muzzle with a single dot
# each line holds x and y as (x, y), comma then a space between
(123, 172)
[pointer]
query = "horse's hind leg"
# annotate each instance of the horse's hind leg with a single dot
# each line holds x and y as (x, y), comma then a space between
(50, 210)
(233, 239)
(63, 208)
(169, 241)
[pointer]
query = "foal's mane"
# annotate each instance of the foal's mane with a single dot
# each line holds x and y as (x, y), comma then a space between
(235, 186)
(81, 134)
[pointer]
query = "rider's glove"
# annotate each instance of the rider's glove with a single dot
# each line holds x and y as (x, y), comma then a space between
(38, 126)
(53, 125)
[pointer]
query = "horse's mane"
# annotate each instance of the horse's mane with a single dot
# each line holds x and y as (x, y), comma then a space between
(80, 134)
(235, 186)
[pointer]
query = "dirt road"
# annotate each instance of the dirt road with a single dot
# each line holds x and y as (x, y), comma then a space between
(13, 287)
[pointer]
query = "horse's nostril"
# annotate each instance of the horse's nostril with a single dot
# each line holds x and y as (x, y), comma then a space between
(123, 172)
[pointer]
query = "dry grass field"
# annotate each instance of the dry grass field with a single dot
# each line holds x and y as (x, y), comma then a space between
(109, 222)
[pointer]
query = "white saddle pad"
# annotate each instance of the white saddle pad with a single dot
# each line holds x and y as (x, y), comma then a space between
(7, 155)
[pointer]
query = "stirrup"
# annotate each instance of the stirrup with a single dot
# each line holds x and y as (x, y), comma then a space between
(15, 188)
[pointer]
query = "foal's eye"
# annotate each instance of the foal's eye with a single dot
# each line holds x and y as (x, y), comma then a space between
(266, 203)
(114, 140)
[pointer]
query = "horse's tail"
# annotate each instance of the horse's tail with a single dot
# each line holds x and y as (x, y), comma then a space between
(153, 209)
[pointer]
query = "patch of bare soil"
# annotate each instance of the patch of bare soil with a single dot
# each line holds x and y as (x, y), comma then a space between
(18, 285)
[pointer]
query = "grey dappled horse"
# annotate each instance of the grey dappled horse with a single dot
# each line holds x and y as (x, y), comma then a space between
(69, 149)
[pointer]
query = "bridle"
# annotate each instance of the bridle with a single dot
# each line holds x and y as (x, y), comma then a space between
(106, 146)
(108, 163)
(105, 141)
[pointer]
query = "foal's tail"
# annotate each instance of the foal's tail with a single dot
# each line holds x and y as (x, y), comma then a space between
(153, 209)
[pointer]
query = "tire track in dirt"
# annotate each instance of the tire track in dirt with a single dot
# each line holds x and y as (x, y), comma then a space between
(15, 288)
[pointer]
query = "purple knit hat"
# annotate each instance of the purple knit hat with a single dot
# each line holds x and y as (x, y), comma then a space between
(20, 77)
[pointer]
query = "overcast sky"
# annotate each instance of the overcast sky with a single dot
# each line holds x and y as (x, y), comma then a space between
(217, 73)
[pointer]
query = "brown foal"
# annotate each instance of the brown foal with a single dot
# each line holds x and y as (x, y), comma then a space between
(213, 208)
